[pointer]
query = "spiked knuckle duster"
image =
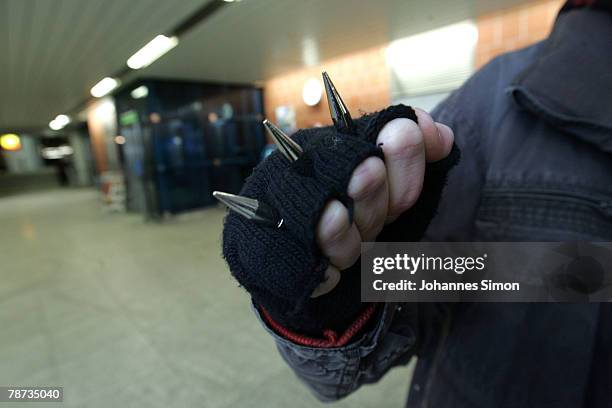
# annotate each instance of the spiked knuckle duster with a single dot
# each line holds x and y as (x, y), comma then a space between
(402, 138)
(339, 112)
(291, 150)
(281, 267)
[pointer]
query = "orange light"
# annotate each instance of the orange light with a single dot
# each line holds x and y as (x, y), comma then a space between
(10, 142)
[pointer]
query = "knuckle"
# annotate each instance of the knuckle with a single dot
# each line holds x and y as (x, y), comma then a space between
(332, 277)
(334, 222)
(369, 178)
(401, 136)
(422, 114)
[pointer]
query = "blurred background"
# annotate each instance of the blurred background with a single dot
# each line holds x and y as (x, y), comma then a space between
(118, 118)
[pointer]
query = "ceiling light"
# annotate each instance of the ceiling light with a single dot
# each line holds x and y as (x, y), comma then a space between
(59, 122)
(140, 92)
(450, 54)
(63, 119)
(310, 52)
(104, 87)
(312, 92)
(152, 51)
(54, 125)
(53, 153)
(10, 142)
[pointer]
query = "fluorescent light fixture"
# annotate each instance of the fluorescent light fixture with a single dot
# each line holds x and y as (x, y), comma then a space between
(140, 92)
(104, 87)
(53, 153)
(152, 51)
(454, 40)
(310, 52)
(59, 122)
(449, 58)
(63, 119)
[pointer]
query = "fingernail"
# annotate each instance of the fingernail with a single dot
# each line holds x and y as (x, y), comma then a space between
(332, 277)
(422, 115)
(447, 135)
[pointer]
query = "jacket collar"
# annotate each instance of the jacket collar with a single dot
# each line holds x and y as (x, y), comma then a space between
(570, 84)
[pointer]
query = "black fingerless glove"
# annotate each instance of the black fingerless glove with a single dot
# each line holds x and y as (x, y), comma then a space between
(280, 267)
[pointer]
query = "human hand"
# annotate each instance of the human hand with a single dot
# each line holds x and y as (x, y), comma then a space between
(381, 191)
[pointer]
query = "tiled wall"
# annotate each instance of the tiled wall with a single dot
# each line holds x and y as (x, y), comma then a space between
(361, 78)
(515, 28)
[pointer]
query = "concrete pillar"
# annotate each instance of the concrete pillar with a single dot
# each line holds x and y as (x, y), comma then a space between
(102, 124)
(81, 158)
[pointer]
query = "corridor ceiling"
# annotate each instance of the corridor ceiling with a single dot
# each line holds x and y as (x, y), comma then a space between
(53, 51)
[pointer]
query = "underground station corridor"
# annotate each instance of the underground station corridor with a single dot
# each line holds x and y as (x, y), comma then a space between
(126, 313)
(296, 204)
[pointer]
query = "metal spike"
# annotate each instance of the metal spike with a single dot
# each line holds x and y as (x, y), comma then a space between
(338, 110)
(286, 145)
(249, 208)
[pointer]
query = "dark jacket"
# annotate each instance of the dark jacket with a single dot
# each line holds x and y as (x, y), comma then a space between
(535, 130)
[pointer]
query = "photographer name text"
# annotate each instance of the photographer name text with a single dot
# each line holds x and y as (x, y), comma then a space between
(454, 266)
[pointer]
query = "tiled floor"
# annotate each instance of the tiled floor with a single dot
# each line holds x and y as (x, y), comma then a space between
(122, 313)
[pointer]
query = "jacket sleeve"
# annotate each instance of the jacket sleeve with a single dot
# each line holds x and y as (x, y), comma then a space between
(333, 373)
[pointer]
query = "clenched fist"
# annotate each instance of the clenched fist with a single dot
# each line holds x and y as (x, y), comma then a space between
(376, 177)
(381, 191)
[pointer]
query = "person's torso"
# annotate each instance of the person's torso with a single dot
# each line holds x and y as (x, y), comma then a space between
(538, 184)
